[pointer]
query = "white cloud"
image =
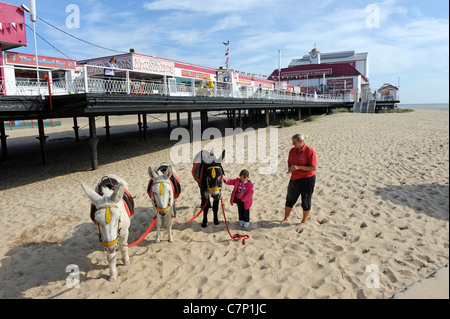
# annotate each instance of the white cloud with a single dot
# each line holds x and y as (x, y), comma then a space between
(228, 23)
(206, 6)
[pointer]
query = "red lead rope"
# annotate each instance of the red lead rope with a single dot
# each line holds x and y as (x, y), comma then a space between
(235, 237)
(198, 214)
(145, 235)
(154, 222)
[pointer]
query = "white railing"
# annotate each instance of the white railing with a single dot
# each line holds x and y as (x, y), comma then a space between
(93, 80)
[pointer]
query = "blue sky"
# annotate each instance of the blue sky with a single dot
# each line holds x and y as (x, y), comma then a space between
(412, 41)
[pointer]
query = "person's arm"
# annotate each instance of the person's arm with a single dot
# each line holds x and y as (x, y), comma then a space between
(303, 168)
(229, 181)
(312, 160)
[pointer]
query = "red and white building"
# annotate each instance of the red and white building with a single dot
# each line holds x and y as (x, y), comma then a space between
(182, 78)
(344, 74)
(12, 34)
(388, 92)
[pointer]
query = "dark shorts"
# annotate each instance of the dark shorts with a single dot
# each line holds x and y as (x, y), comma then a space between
(301, 187)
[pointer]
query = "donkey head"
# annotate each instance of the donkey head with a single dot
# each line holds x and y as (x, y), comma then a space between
(213, 173)
(107, 214)
(161, 191)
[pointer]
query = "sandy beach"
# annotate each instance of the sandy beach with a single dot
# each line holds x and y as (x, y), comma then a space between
(381, 204)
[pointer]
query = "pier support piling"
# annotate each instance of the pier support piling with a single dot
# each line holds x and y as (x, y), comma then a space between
(144, 117)
(168, 122)
(93, 142)
(190, 126)
(204, 120)
(240, 118)
(139, 123)
(76, 128)
(42, 139)
(107, 127)
(267, 113)
(3, 137)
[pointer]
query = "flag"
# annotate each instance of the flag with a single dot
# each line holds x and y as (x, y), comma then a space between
(227, 54)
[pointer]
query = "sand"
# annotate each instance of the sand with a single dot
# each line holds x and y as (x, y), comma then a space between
(381, 204)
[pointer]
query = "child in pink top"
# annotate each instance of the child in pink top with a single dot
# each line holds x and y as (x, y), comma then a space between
(242, 196)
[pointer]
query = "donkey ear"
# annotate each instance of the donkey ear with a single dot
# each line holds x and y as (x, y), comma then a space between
(152, 173)
(95, 198)
(117, 196)
(169, 172)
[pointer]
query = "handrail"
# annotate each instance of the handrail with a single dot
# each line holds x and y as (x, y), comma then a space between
(94, 81)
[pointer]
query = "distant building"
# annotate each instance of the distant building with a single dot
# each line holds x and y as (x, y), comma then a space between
(388, 92)
(344, 74)
(12, 34)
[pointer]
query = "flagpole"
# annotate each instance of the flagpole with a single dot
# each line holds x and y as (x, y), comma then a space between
(227, 54)
(229, 51)
(279, 73)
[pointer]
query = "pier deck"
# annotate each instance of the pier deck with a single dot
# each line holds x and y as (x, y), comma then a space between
(92, 105)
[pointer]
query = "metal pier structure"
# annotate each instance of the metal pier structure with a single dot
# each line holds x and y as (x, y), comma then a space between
(90, 97)
(92, 105)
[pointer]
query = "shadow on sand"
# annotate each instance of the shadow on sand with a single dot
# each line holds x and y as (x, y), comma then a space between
(430, 199)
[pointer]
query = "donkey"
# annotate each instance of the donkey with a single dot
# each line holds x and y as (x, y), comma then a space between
(111, 213)
(208, 173)
(163, 189)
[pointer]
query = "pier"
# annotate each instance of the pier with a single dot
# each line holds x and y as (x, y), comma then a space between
(92, 105)
(91, 96)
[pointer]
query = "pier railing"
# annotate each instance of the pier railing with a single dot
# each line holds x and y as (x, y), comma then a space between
(93, 80)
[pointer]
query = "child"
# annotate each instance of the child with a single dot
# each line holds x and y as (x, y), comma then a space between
(242, 195)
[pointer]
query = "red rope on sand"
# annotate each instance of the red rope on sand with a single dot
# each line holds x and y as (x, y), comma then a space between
(235, 237)
(145, 235)
(198, 214)
(154, 222)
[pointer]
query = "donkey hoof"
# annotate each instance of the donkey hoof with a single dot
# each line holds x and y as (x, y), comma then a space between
(171, 241)
(204, 225)
(216, 222)
(113, 278)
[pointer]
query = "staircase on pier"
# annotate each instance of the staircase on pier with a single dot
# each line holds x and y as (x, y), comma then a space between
(365, 107)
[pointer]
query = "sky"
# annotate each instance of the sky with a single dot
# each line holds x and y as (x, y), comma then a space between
(405, 39)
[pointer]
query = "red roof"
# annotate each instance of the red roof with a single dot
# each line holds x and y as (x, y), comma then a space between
(388, 86)
(317, 71)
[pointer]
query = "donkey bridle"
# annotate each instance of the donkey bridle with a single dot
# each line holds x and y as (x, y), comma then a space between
(162, 190)
(213, 175)
(108, 220)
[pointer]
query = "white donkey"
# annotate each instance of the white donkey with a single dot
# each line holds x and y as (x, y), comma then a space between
(161, 192)
(112, 220)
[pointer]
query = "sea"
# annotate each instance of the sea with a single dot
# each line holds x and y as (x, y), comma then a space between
(423, 106)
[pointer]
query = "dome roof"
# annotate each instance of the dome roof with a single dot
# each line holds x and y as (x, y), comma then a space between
(314, 50)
